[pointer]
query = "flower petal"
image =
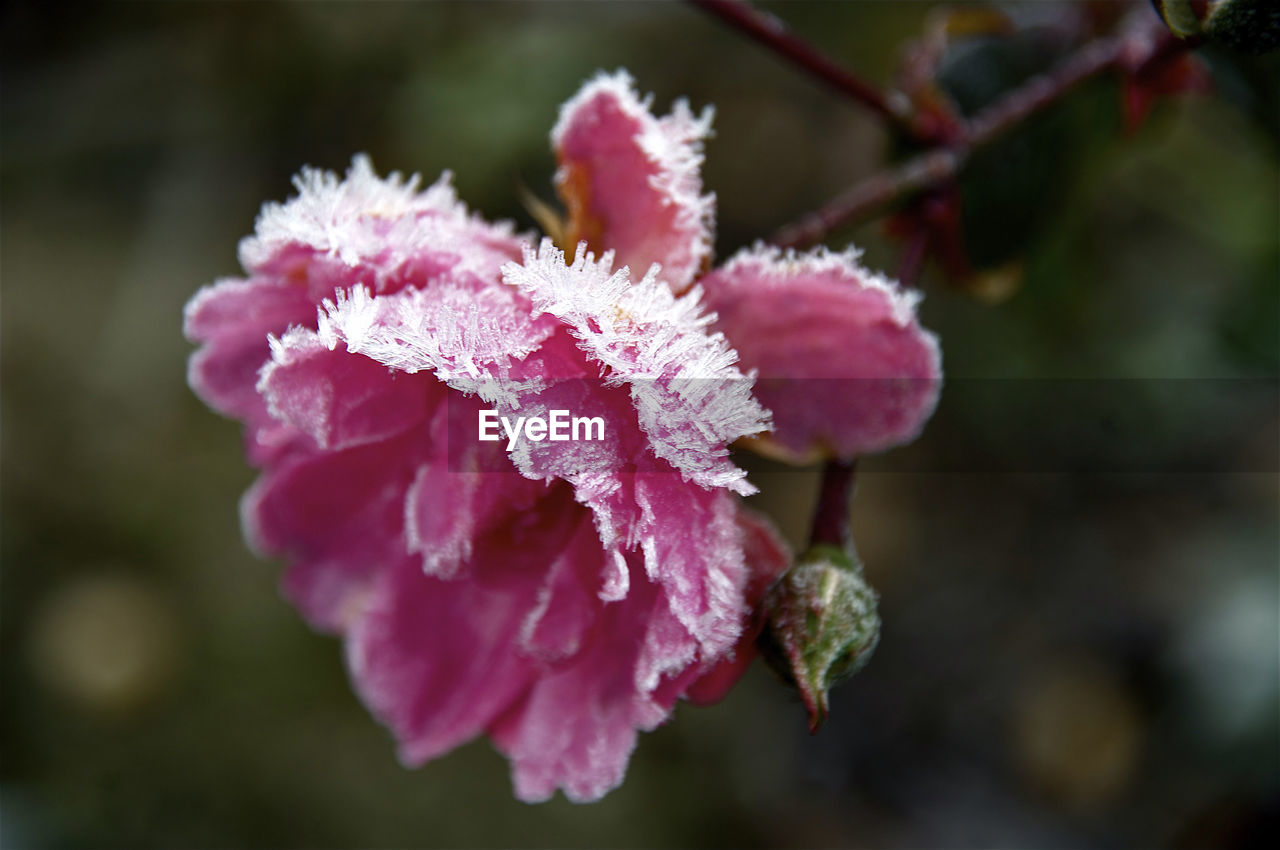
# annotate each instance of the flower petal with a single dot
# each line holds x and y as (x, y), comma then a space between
(337, 518)
(366, 229)
(440, 661)
(671, 402)
(435, 659)
(693, 548)
(767, 557)
(841, 360)
(470, 336)
(578, 726)
(232, 319)
(690, 398)
(341, 399)
(631, 181)
(466, 491)
(567, 607)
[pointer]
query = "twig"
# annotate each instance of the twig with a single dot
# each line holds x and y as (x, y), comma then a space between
(773, 33)
(871, 194)
(1141, 52)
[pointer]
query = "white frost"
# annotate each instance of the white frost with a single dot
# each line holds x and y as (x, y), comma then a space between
(691, 399)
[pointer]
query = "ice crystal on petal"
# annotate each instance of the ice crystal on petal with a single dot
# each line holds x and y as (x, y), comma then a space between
(691, 398)
(468, 337)
(382, 232)
(333, 216)
(841, 359)
(783, 268)
(355, 218)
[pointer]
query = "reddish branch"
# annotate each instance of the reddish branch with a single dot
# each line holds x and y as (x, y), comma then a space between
(773, 33)
(871, 195)
(1142, 52)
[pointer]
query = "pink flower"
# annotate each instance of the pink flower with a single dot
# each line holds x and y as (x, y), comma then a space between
(557, 596)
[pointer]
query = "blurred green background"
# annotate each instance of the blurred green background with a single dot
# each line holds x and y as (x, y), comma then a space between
(1077, 563)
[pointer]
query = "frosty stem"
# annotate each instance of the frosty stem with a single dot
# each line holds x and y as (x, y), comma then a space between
(1141, 51)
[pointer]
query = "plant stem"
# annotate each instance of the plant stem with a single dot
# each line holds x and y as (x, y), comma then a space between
(831, 516)
(773, 33)
(1142, 51)
(913, 257)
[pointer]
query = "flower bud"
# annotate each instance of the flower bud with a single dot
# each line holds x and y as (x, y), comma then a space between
(1252, 26)
(822, 624)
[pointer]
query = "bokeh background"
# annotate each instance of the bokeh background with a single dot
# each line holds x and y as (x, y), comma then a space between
(1077, 563)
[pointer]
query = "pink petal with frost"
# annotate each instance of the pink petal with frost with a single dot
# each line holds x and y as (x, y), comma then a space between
(693, 549)
(595, 467)
(841, 359)
(337, 518)
(232, 319)
(381, 232)
(631, 181)
(690, 399)
(767, 558)
(340, 399)
(471, 337)
(467, 490)
(578, 726)
(567, 606)
(681, 381)
(235, 307)
(438, 661)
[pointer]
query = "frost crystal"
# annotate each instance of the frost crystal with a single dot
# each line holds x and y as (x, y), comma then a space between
(691, 399)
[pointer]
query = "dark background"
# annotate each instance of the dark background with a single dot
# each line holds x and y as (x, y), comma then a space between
(1077, 563)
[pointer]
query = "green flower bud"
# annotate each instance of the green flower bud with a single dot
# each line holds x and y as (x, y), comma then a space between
(1252, 26)
(822, 625)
